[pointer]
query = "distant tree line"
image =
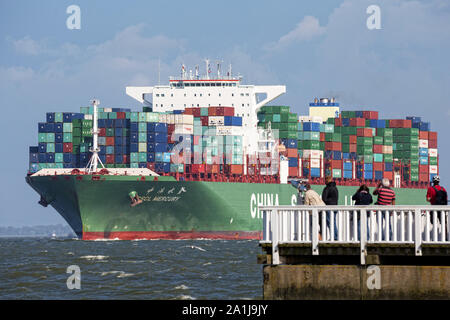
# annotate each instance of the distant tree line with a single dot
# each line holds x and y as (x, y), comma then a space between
(58, 229)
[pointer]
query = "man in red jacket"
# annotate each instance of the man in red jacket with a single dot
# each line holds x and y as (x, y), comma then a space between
(437, 195)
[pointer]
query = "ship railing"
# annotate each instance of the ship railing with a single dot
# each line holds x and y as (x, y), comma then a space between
(394, 225)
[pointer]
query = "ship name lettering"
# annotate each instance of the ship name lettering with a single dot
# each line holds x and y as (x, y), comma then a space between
(262, 199)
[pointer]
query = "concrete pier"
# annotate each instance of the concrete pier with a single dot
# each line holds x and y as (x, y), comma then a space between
(414, 263)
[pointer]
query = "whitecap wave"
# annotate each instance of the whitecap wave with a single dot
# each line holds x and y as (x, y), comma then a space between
(181, 287)
(90, 258)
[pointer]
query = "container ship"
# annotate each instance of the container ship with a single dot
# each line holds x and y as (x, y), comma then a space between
(206, 151)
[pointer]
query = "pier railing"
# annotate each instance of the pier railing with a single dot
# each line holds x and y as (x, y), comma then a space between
(414, 225)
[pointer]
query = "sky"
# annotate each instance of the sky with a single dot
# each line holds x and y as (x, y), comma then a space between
(315, 48)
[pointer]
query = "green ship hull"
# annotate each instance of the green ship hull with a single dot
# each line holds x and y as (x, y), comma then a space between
(98, 207)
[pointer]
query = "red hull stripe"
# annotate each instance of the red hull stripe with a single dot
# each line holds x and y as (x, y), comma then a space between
(174, 235)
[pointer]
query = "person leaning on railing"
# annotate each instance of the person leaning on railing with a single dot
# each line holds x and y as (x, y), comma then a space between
(312, 198)
(330, 196)
(386, 197)
(437, 195)
(362, 197)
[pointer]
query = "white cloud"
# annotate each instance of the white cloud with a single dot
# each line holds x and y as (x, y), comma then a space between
(27, 46)
(306, 29)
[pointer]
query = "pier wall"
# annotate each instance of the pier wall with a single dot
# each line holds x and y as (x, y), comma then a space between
(355, 282)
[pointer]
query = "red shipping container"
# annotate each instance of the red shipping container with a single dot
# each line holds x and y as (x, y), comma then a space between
(196, 112)
(364, 132)
(388, 175)
(236, 168)
(219, 111)
(109, 141)
(336, 146)
(170, 128)
(432, 135)
(357, 122)
(292, 152)
(424, 177)
(188, 111)
(377, 148)
(338, 122)
(370, 115)
(336, 164)
(228, 111)
(352, 147)
(120, 115)
(423, 168)
(102, 132)
(423, 135)
(432, 144)
(109, 158)
(198, 168)
(352, 139)
(67, 147)
(204, 120)
(322, 136)
(378, 166)
(293, 172)
(407, 123)
(125, 159)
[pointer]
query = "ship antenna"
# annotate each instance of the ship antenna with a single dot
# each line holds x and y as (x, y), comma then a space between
(159, 71)
(95, 159)
(207, 68)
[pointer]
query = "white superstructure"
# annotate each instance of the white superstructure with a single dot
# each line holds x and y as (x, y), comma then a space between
(190, 90)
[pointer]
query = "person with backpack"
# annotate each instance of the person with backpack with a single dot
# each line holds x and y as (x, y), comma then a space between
(362, 197)
(437, 195)
(330, 196)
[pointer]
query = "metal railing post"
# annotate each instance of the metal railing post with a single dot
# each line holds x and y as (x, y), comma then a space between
(315, 232)
(363, 234)
(274, 226)
(418, 232)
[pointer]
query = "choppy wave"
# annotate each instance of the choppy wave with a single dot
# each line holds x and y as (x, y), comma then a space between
(158, 269)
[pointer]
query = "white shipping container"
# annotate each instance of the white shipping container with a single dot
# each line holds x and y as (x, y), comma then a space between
(163, 118)
(184, 129)
(178, 119)
(224, 131)
(432, 152)
(314, 154)
(170, 119)
(310, 119)
(215, 120)
(88, 117)
(107, 109)
(423, 143)
(387, 149)
(315, 163)
(187, 119)
(433, 169)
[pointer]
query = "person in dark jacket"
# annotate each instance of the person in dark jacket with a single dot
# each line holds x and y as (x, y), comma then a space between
(362, 197)
(330, 195)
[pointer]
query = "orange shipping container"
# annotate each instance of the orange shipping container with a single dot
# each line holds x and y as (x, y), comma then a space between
(388, 175)
(352, 139)
(292, 153)
(236, 169)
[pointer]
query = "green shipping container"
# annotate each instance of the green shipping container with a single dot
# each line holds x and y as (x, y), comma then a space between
(334, 137)
(378, 157)
(67, 137)
(364, 141)
(67, 127)
(50, 147)
(384, 132)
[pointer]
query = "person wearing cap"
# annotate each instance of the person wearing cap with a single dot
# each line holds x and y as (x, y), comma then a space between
(437, 195)
(386, 197)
